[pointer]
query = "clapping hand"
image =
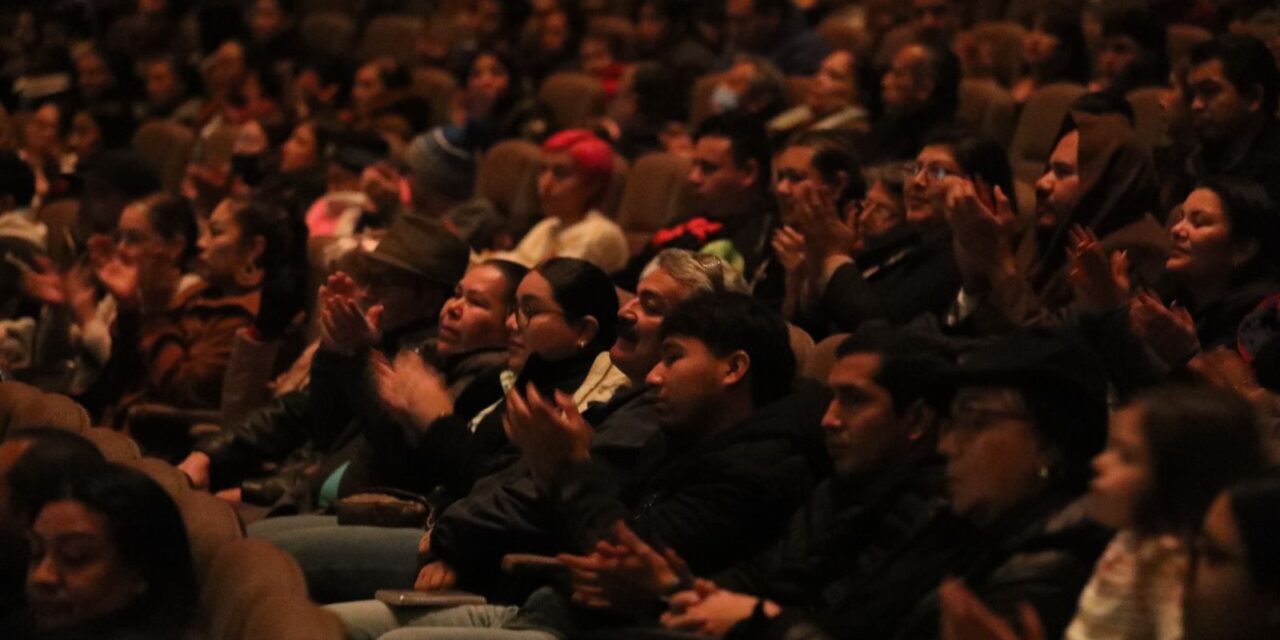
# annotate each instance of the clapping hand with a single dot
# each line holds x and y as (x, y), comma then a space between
(42, 282)
(626, 575)
(344, 327)
(413, 393)
(550, 435)
(965, 617)
(980, 231)
(789, 246)
(1101, 283)
(708, 610)
(1169, 331)
(818, 220)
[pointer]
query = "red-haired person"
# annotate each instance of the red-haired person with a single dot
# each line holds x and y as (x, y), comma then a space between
(576, 169)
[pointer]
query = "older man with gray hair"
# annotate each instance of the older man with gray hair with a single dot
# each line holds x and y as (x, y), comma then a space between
(507, 513)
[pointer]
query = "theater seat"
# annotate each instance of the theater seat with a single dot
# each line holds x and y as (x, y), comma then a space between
(700, 98)
(801, 345)
(1183, 38)
(115, 446)
(617, 184)
(437, 87)
(165, 147)
(289, 617)
(1149, 123)
(244, 574)
(394, 35)
(327, 35)
(657, 191)
(508, 178)
(211, 524)
(573, 98)
(23, 406)
(173, 481)
(1002, 41)
(987, 109)
(823, 357)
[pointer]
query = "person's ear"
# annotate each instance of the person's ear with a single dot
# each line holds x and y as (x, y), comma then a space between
(925, 89)
(751, 173)
(737, 365)
(257, 248)
(918, 420)
(1254, 95)
(174, 247)
(587, 328)
(841, 183)
(1244, 252)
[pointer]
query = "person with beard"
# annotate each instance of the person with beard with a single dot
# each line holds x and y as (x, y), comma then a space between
(1098, 178)
(1233, 84)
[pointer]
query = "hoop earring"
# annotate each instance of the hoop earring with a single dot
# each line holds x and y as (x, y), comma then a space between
(249, 275)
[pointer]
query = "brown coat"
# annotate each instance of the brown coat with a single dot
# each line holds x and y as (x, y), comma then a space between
(183, 352)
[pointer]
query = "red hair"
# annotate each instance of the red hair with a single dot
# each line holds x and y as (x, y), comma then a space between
(591, 155)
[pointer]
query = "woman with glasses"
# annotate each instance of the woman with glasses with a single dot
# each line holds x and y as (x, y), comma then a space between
(879, 264)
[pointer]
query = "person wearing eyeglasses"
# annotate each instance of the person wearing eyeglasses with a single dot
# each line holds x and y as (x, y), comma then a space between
(909, 269)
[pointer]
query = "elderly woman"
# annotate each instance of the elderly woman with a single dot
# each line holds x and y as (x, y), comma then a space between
(576, 172)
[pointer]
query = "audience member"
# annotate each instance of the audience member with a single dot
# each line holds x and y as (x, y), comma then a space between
(773, 29)
(831, 101)
(109, 558)
(1134, 52)
(576, 169)
(1053, 51)
(918, 92)
(34, 464)
(1232, 93)
(733, 219)
(1098, 178)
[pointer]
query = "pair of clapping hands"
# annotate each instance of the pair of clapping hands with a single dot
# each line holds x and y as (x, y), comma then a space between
(629, 576)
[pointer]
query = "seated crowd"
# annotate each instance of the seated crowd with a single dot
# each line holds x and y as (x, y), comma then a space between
(850, 362)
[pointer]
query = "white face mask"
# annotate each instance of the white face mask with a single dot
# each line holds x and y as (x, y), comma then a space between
(724, 99)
